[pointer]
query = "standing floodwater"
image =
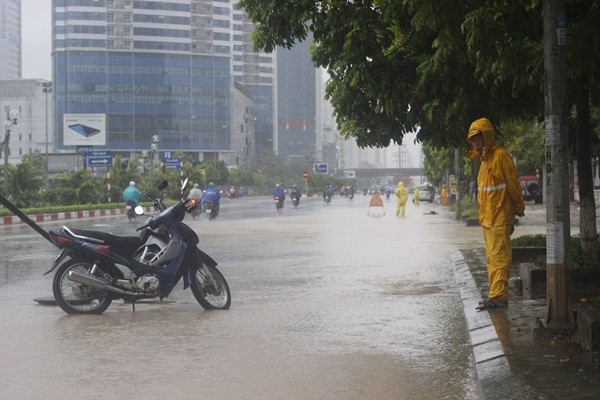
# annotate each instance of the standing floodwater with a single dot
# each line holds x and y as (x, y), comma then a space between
(327, 303)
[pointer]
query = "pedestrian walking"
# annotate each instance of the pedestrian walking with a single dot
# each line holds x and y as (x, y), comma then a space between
(416, 197)
(444, 196)
(499, 199)
(401, 197)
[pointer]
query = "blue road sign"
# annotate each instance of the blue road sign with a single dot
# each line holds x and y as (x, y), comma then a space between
(101, 154)
(98, 158)
(172, 162)
(322, 168)
(100, 161)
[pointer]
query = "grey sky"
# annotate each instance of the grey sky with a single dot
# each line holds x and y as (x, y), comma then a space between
(36, 19)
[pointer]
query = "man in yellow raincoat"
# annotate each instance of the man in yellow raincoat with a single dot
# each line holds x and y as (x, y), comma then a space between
(416, 197)
(499, 199)
(401, 197)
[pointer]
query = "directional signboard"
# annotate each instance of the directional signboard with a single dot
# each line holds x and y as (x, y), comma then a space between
(322, 168)
(98, 159)
(172, 162)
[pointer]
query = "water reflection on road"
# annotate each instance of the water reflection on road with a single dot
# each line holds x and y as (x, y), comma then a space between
(328, 303)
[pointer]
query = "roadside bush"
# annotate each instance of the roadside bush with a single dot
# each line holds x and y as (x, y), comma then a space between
(538, 240)
(580, 258)
(468, 206)
(62, 195)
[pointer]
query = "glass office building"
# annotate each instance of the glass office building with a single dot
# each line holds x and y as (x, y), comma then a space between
(296, 101)
(10, 39)
(152, 67)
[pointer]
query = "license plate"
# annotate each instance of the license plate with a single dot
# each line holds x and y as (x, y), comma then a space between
(128, 207)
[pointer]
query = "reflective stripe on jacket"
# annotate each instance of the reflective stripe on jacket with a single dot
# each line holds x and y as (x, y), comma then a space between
(500, 197)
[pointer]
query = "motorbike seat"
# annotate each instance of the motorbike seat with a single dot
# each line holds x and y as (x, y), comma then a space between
(102, 237)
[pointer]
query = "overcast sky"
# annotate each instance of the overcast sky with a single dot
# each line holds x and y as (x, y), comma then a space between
(36, 20)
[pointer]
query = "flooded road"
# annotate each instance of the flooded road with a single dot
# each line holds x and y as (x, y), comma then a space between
(327, 303)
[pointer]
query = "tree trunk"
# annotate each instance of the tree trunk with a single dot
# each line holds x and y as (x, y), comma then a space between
(587, 203)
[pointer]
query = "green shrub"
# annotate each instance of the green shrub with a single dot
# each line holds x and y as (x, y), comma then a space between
(468, 207)
(538, 240)
(580, 258)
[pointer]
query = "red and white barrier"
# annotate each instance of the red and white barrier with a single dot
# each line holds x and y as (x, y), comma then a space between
(68, 215)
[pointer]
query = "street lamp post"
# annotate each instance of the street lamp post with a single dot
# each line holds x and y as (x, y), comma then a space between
(13, 117)
(153, 151)
(47, 88)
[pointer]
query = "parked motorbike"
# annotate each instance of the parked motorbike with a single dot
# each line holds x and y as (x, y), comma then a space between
(94, 268)
(130, 210)
(210, 210)
(278, 202)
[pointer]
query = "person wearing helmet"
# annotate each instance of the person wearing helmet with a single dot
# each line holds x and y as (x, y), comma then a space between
(295, 193)
(401, 198)
(499, 199)
(328, 192)
(211, 194)
(278, 191)
(195, 193)
(132, 194)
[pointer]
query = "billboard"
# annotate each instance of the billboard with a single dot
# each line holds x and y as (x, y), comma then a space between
(84, 129)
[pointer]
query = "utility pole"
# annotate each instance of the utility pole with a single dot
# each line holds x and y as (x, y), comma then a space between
(457, 172)
(558, 233)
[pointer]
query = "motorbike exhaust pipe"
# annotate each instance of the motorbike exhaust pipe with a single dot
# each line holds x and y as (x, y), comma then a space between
(94, 282)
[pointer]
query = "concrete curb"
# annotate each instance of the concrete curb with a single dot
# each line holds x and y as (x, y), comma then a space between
(39, 218)
(495, 378)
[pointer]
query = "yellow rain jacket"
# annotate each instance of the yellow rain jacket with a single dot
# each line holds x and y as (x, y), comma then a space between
(401, 193)
(499, 194)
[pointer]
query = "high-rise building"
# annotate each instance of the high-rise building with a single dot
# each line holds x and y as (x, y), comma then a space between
(255, 70)
(10, 39)
(31, 133)
(161, 68)
(296, 102)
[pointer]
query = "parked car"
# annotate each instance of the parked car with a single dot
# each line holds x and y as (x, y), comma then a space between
(426, 192)
(532, 188)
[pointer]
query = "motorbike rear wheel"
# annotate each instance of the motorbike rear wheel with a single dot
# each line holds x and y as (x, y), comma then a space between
(75, 298)
(210, 288)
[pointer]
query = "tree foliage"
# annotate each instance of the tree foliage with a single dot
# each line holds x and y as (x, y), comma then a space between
(396, 66)
(27, 181)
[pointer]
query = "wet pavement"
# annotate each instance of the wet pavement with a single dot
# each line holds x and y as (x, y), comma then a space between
(511, 362)
(328, 303)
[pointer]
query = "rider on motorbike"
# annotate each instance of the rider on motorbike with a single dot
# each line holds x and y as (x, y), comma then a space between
(388, 191)
(296, 192)
(211, 194)
(278, 191)
(131, 193)
(196, 193)
(328, 192)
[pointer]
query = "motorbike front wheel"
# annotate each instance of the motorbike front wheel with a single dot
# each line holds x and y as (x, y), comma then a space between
(75, 298)
(210, 288)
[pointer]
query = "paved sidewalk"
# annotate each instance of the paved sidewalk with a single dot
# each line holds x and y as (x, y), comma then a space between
(510, 363)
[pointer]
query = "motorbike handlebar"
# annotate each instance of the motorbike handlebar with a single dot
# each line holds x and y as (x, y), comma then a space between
(142, 227)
